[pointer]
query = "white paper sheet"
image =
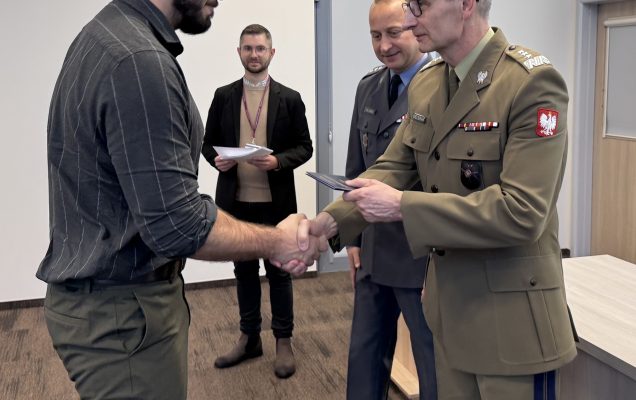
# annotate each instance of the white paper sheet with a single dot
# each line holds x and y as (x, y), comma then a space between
(242, 153)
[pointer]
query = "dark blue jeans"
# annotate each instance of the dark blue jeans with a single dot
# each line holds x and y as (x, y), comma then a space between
(248, 283)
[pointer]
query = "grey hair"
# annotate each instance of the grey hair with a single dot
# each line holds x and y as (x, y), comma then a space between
(483, 8)
(374, 2)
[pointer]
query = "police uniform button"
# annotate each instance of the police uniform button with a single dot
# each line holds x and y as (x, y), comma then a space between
(434, 189)
(386, 135)
(512, 47)
(470, 152)
(436, 155)
(533, 282)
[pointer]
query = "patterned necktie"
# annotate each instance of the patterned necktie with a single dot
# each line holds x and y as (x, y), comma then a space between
(393, 89)
(453, 84)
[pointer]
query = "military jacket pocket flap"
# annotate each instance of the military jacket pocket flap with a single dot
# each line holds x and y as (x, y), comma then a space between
(474, 146)
(418, 135)
(524, 274)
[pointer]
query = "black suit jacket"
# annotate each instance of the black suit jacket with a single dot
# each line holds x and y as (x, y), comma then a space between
(385, 254)
(287, 136)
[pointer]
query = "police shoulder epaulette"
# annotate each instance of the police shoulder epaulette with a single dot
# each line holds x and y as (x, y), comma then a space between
(530, 59)
(432, 63)
(375, 70)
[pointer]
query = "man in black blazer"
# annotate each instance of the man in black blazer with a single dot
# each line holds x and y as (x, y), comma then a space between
(386, 278)
(256, 109)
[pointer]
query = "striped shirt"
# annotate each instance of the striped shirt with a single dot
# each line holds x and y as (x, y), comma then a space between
(124, 139)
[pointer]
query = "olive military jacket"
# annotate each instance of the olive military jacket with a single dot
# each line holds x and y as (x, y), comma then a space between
(494, 294)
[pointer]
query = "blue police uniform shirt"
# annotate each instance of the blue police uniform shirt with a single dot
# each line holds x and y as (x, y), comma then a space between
(407, 75)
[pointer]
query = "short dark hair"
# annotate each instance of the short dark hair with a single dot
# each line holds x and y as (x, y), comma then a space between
(256, 29)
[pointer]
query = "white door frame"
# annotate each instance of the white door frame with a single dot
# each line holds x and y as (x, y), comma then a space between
(583, 132)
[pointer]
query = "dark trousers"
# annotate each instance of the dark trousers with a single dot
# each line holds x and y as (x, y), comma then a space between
(374, 334)
(248, 283)
(121, 342)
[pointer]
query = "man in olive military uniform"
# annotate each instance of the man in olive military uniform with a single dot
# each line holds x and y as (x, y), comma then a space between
(486, 135)
(386, 277)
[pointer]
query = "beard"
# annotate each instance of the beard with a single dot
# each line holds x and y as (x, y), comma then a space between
(256, 70)
(193, 21)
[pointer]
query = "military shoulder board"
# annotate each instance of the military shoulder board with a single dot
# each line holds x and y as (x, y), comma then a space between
(375, 70)
(530, 59)
(435, 61)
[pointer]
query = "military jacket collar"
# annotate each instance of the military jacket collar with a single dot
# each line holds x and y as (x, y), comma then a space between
(444, 118)
(379, 98)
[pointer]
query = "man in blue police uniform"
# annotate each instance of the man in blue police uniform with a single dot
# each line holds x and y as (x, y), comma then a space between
(386, 277)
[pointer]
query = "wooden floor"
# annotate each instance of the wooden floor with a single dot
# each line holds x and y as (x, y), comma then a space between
(30, 369)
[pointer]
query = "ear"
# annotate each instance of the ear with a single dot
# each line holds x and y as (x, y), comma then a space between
(238, 50)
(469, 7)
(273, 51)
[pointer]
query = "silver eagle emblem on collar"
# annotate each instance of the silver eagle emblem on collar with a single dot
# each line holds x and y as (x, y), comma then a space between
(481, 77)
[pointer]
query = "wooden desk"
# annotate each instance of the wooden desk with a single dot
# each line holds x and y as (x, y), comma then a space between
(403, 372)
(601, 293)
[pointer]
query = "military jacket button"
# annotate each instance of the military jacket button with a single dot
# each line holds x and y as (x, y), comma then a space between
(512, 47)
(470, 152)
(533, 282)
(386, 135)
(434, 189)
(412, 140)
(436, 155)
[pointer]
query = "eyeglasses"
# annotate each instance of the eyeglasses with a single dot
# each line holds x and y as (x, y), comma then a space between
(258, 49)
(414, 6)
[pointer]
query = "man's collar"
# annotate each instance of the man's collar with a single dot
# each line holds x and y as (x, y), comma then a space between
(164, 32)
(464, 66)
(408, 74)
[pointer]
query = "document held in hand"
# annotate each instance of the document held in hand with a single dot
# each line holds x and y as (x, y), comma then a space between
(242, 153)
(335, 182)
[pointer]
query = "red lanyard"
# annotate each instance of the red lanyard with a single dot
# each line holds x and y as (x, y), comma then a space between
(258, 112)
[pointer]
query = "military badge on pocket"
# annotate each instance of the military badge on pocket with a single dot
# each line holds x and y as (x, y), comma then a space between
(471, 174)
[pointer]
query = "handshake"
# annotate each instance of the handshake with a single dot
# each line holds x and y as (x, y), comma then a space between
(301, 241)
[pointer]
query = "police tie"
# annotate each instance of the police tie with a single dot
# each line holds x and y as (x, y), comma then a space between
(453, 84)
(393, 89)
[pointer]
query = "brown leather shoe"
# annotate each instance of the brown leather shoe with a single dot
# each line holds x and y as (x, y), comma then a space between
(285, 364)
(246, 348)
